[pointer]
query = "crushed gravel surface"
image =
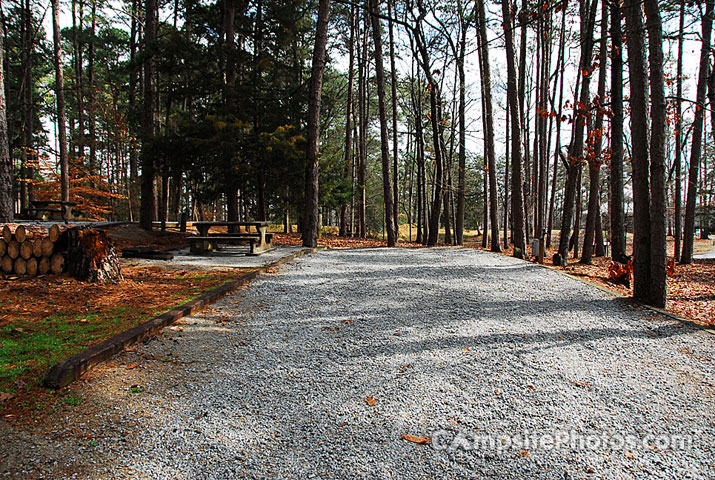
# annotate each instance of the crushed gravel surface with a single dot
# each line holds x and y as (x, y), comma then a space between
(512, 370)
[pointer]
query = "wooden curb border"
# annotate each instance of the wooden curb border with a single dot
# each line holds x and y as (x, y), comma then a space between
(71, 369)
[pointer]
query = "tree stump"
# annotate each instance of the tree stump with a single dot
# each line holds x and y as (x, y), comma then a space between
(3, 247)
(91, 257)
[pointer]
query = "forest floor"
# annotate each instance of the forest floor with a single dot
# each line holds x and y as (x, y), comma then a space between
(392, 363)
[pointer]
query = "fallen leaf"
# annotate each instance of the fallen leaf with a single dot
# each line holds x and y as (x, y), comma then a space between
(524, 453)
(498, 391)
(347, 322)
(396, 334)
(416, 439)
(466, 349)
(343, 424)
(131, 366)
(590, 470)
(453, 421)
(628, 454)
(582, 384)
(531, 387)
(371, 401)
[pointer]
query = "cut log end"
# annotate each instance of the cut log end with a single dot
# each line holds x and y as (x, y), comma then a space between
(20, 266)
(20, 233)
(26, 250)
(32, 267)
(43, 266)
(13, 249)
(6, 234)
(7, 264)
(57, 263)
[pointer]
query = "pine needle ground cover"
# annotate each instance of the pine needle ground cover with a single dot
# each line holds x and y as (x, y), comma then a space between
(45, 320)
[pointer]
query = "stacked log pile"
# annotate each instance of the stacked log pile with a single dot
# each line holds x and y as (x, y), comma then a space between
(85, 253)
(31, 253)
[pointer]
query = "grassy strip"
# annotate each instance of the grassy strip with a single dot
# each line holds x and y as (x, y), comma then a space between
(30, 345)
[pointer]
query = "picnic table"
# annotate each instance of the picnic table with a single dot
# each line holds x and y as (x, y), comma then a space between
(52, 210)
(259, 241)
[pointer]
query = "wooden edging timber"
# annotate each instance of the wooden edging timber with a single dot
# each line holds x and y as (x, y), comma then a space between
(69, 370)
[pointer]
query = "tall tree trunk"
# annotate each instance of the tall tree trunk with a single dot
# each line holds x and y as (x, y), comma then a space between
(462, 149)
(390, 223)
(60, 96)
(596, 141)
(77, 24)
(146, 213)
(517, 199)
(617, 214)
(395, 151)
(657, 281)
(310, 215)
(698, 128)
(581, 102)
(6, 203)
(133, 153)
(678, 227)
(486, 82)
(91, 97)
(557, 150)
(637, 66)
(348, 125)
(363, 71)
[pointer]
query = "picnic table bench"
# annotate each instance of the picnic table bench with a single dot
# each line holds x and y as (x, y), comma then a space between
(259, 241)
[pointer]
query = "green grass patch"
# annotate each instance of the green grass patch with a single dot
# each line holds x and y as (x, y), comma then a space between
(31, 343)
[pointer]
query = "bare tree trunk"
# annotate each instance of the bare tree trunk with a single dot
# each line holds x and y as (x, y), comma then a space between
(486, 82)
(596, 140)
(637, 66)
(678, 229)
(575, 155)
(310, 215)
(60, 94)
(395, 151)
(6, 203)
(348, 124)
(363, 70)
(557, 150)
(91, 94)
(517, 199)
(658, 253)
(146, 213)
(618, 217)
(697, 141)
(390, 223)
(462, 153)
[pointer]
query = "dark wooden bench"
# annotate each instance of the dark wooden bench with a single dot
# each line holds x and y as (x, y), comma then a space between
(211, 242)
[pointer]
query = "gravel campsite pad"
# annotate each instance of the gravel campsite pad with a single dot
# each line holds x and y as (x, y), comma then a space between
(511, 370)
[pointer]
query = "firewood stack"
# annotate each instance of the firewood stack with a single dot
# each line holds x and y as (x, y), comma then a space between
(31, 253)
(85, 253)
